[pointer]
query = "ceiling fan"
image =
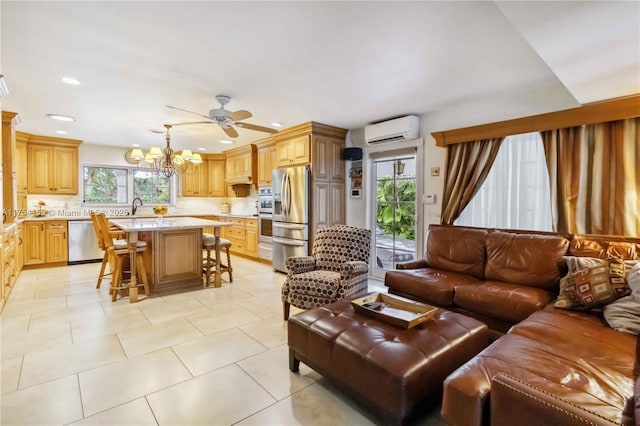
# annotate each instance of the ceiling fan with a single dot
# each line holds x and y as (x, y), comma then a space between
(226, 119)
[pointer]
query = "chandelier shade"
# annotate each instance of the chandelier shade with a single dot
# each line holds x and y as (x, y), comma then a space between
(166, 161)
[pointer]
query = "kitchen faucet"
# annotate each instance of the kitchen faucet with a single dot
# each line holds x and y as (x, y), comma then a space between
(134, 207)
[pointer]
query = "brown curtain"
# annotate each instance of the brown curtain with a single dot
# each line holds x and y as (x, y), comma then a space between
(594, 174)
(468, 165)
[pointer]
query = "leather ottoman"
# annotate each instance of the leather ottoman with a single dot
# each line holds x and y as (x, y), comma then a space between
(392, 370)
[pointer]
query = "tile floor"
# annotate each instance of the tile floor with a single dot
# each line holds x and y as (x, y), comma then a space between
(206, 357)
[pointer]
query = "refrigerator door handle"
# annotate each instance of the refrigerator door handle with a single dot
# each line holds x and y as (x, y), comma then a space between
(283, 195)
(288, 189)
(285, 225)
(288, 242)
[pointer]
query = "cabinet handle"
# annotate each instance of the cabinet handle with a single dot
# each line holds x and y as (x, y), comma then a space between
(42, 226)
(64, 235)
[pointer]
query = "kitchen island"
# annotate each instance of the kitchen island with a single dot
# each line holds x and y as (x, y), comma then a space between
(173, 258)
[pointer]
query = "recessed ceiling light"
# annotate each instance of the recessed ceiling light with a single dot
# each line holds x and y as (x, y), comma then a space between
(276, 124)
(201, 149)
(61, 117)
(135, 145)
(61, 132)
(225, 141)
(70, 80)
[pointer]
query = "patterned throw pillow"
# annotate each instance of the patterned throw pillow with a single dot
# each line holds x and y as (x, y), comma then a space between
(593, 286)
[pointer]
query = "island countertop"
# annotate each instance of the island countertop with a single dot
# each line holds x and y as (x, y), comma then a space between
(167, 223)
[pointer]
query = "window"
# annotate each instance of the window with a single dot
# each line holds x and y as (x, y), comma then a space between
(516, 193)
(152, 188)
(119, 185)
(104, 185)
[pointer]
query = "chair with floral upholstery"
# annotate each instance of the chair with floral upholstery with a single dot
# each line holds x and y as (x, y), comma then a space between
(337, 269)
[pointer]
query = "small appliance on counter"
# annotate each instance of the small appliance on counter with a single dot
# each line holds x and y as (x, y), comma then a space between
(225, 208)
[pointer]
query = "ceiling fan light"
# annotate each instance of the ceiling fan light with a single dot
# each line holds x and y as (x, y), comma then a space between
(155, 152)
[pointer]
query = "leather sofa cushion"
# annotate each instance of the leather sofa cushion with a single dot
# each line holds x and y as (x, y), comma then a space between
(602, 248)
(505, 301)
(567, 354)
(429, 285)
(526, 259)
(457, 249)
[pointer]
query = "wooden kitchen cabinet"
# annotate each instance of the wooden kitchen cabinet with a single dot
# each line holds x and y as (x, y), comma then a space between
(251, 237)
(267, 160)
(294, 151)
(20, 247)
(217, 186)
(9, 260)
(196, 184)
(21, 173)
(45, 242)
(241, 165)
(9, 121)
(53, 165)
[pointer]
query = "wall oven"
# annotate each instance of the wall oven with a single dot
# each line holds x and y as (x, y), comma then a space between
(265, 220)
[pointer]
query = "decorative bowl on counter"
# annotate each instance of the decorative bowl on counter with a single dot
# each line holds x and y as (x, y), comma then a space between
(160, 210)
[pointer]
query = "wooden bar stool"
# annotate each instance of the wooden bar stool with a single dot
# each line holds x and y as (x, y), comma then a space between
(118, 251)
(209, 263)
(115, 232)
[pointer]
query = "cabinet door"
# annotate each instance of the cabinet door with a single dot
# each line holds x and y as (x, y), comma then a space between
(56, 243)
(251, 238)
(65, 170)
(20, 247)
(21, 166)
(34, 248)
(40, 175)
(217, 187)
(195, 183)
(264, 164)
(299, 150)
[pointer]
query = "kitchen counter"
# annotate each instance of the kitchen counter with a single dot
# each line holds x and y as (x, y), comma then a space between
(128, 217)
(167, 223)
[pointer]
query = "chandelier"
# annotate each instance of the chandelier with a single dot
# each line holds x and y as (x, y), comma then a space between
(166, 162)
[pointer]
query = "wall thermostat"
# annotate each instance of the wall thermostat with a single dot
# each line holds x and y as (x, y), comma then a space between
(356, 193)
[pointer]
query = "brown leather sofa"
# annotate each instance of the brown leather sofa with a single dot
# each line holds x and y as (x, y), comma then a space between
(553, 366)
(498, 277)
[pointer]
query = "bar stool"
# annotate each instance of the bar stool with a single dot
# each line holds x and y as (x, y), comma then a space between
(208, 263)
(115, 232)
(118, 251)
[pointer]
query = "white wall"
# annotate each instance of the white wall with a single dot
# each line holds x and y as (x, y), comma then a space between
(112, 156)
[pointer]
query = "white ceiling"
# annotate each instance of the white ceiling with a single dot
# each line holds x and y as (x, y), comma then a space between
(341, 63)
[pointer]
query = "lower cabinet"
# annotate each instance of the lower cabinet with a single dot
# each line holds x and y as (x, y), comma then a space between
(9, 262)
(45, 242)
(243, 235)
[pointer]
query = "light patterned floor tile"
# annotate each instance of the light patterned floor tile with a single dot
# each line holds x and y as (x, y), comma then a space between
(10, 373)
(34, 340)
(134, 413)
(270, 331)
(112, 323)
(51, 403)
(313, 405)
(277, 379)
(221, 397)
(66, 315)
(119, 382)
(222, 317)
(148, 338)
(64, 360)
(169, 311)
(217, 350)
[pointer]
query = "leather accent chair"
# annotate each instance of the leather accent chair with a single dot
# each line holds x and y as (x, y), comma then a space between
(337, 269)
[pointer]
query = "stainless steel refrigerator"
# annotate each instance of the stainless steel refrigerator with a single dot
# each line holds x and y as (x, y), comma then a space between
(290, 226)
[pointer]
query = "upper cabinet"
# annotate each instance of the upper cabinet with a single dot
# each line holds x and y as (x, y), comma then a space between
(9, 121)
(196, 182)
(216, 164)
(53, 165)
(267, 160)
(21, 172)
(293, 151)
(241, 169)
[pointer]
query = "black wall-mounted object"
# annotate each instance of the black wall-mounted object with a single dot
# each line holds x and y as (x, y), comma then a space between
(352, 154)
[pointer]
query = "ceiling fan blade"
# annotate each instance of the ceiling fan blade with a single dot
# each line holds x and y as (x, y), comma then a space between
(256, 127)
(240, 115)
(230, 131)
(186, 110)
(193, 122)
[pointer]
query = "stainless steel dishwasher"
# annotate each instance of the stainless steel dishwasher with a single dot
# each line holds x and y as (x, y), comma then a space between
(83, 243)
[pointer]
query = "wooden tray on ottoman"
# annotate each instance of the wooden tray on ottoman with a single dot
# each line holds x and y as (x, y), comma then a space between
(394, 310)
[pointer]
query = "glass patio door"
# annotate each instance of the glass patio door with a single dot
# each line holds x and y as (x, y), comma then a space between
(395, 207)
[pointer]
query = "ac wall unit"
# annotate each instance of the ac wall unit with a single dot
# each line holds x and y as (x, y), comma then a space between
(399, 129)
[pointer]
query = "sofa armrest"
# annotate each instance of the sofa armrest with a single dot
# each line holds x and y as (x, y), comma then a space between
(516, 402)
(414, 264)
(300, 264)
